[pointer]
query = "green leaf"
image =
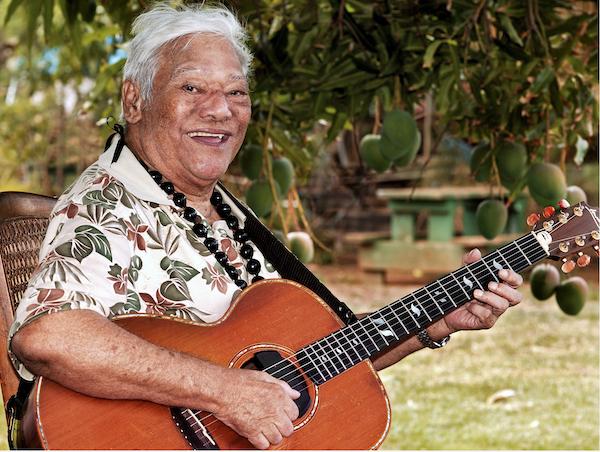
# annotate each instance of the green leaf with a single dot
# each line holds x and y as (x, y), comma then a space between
(430, 53)
(510, 29)
(543, 79)
(48, 13)
(182, 270)
(12, 7)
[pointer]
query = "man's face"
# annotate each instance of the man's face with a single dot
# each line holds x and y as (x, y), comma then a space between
(196, 120)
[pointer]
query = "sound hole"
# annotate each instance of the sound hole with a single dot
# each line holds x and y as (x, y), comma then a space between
(277, 366)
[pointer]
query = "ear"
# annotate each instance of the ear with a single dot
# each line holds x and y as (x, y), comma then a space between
(132, 102)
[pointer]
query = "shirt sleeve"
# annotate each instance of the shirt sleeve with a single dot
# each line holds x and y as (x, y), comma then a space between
(84, 264)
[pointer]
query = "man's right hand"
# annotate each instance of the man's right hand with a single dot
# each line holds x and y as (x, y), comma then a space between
(257, 406)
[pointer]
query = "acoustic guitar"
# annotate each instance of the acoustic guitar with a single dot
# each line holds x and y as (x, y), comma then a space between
(282, 328)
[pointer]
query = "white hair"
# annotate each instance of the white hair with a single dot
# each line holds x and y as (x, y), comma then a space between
(163, 24)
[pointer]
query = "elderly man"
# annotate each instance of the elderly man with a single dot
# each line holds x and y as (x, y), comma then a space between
(146, 229)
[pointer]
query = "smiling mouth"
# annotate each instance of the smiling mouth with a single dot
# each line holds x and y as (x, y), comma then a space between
(209, 138)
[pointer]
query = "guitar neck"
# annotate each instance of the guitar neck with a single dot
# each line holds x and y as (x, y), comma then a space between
(396, 322)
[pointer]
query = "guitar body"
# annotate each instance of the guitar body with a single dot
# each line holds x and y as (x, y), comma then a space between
(350, 411)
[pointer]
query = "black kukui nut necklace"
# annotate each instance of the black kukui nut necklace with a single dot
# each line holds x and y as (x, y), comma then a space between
(224, 211)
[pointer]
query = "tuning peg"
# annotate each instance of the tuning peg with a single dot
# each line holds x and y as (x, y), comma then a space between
(597, 250)
(568, 266)
(564, 247)
(578, 211)
(549, 211)
(580, 240)
(563, 204)
(583, 260)
(533, 219)
(595, 235)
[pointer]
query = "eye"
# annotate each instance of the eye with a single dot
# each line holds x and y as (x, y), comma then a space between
(238, 92)
(189, 88)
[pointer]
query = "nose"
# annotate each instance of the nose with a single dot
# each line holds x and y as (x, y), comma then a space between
(215, 106)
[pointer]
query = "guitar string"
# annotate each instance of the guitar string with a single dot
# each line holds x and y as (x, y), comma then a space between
(309, 382)
(487, 273)
(373, 329)
(289, 364)
(216, 420)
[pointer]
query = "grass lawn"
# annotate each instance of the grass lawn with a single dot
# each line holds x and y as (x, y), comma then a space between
(441, 399)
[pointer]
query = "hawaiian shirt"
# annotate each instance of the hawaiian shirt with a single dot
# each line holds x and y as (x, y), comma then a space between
(116, 244)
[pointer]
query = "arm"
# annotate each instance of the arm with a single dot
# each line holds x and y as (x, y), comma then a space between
(480, 313)
(85, 352)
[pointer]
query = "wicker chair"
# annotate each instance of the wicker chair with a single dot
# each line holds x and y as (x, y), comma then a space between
(23, 224)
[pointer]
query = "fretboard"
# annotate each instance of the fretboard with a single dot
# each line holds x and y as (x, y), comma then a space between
(396, 322)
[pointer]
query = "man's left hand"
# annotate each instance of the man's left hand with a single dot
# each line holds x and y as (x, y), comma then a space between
(487, 306)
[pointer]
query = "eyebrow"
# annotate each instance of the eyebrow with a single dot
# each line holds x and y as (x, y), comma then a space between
(184, 69)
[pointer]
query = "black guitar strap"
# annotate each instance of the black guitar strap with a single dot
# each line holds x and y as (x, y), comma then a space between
(286, 263)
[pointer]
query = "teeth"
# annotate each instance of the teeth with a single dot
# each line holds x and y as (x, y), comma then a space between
(206, 134)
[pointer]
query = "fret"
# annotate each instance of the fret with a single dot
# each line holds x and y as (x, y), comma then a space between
(314, 365)
(369, 335)
(460, 286)
(464, 276)
(385, 320)
(474, 277)
(434, 300)
(516, 242)
(513, 256)
(358, 340)
(325, 360)
(489, 269)
(350, 342)
(504, 259)
(380, 333)
(343, 349)
(449, 297)
(332, 356)
(411, 316)
(418, 311)
(391, 308)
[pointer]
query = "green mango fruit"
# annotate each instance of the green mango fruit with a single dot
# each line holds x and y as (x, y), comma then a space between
(301, 245)
(481, 161)
(251, 160)
(408, 158)
(259, 198)
(544, 279)
(399, 135)
(511, 159)
(547, 184)
(283, 173)
(491, 216)
(575, 195)
(571, 295)
(370, 152)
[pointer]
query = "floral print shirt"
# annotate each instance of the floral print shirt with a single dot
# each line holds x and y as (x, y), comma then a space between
(116, 244)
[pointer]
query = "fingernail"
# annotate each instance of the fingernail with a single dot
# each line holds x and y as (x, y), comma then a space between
(478, 293)
(503, 274)
(493, 285)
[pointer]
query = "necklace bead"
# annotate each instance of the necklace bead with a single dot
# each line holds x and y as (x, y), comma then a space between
(231, 271)
(190, 214)
(216, 198)
(221, 257)
(156, 176)
(200, 230)
(224, 210)
(241, 236)
(179, 199)
(241, 283)
(232, 222)
(253, 267)
(168, 188)
(246, 251)
(211, 244)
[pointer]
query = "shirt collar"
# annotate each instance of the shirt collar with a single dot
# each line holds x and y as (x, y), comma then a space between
(129, 171)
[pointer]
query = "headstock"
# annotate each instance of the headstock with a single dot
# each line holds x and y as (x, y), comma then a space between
(569, 231)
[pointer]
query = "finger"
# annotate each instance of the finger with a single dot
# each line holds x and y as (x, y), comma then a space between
(494, 301)
(288, 390)
(260, 441)
(511, 278)
(472, 256)
(285, 427)
(291, 409)
(483, 313)
(513, 296)
(272, 434)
